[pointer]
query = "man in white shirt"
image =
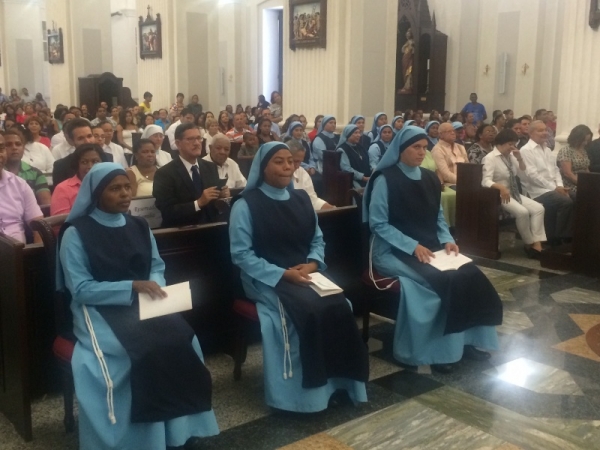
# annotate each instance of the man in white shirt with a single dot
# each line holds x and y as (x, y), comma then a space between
(101, 117)
(228, 169)
(543, 183)
(59, 138)
(236, 134)
(110, 147)
(302, 179)
(186, 117)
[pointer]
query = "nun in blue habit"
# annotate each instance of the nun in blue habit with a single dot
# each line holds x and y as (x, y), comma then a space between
(359, 121)
(296, 135)
(326, 140)
(431, 129)
(381, 144)
(379, 120)
(397, 123)
(442, 316)
(309, 352)
(355, 158)
(137, 386)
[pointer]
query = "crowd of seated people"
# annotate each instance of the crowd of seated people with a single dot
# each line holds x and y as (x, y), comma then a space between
(90, 167)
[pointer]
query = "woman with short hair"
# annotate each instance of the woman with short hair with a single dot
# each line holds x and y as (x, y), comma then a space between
(573, 158)
(500, 170)
(37, 148)
(484, 143)
(141, 174)
(84, 158)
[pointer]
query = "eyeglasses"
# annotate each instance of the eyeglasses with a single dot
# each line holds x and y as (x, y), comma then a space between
(193, 139)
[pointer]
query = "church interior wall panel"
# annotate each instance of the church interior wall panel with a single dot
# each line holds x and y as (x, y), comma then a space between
(157, 74)
(62, 87)
(25, 64)
(472, 42)
(373, 58)
(81, 13)
(197, 67)
(23, 23)
(92, 51)
(507, 43)
(125, 44)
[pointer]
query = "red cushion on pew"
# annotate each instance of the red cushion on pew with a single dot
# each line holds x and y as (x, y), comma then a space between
(63, 348)
(382, 282)
(246, 309)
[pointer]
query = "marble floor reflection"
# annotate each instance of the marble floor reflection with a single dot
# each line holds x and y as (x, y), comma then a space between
(540, 391)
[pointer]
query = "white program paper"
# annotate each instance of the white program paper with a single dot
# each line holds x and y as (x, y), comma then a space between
(443, 261)
(323, 285)
(179, 298)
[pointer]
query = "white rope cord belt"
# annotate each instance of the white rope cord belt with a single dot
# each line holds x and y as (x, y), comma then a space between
(103, 367)
(371, 270)
(286, 344)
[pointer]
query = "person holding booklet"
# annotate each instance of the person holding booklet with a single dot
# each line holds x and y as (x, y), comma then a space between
(312, 346)
(444, 314)
(139, 383)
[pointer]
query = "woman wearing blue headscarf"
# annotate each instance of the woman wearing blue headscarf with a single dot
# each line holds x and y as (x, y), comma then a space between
(312, 346)
(359, 121)
(326, 140)
(397, 123)
(355, 158)
(381, 144)
(432, 131)
(139, 384)
(295, 133)
(409, 123)
(443, 315)
(379, 120)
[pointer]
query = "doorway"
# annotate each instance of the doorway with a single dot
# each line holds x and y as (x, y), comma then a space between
(272, 51)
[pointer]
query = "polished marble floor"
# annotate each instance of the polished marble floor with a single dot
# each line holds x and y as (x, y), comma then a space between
(540, 391)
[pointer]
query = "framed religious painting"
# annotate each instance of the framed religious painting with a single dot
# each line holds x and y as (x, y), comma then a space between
(56, 53)
(308, 24)
(150, 36)
(594, 13)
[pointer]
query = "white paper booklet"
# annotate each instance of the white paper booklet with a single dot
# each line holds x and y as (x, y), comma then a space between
(179, 298)
(443, 261)
(323, 285)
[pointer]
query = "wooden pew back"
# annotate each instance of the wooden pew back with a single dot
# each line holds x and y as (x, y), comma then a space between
(337, 184)
(477, 227)
(586, 239)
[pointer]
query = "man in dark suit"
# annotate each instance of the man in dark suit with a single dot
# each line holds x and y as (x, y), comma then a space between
(186, 187)
(77, 132)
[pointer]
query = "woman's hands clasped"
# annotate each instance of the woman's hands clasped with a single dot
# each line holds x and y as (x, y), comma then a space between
(300, 274)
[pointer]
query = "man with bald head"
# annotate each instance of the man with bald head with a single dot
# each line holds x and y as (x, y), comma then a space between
(543, 183)
(447, 153)
(228, 169)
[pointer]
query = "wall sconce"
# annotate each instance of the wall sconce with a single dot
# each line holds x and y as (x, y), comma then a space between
(486, 69)
(524, 70)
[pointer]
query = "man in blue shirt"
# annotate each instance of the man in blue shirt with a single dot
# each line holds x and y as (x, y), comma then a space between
(477, 109)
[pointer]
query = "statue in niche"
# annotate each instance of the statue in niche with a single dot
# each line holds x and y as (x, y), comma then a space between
(408, 58)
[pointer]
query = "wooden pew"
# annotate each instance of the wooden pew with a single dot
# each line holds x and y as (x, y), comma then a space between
(477, 226)
(198, 253)
(235, 149)
(337, 183)
(586, 239)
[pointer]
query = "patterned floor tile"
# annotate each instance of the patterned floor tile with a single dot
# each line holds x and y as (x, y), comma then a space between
(319, 441)
(410, 425)
(505, 281)
(577, 295)
(536, 377)
(580, 345)
(513, 322)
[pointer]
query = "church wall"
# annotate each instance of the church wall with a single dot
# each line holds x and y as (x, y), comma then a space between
(580, 70)
(125, 45)
(63, 84)
(23, 51)
(158, 75)
(3, 54)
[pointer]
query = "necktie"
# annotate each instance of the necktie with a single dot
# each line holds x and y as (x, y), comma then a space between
(196, 180)
(514, 189)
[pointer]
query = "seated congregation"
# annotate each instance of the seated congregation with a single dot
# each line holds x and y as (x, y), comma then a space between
(143, 384)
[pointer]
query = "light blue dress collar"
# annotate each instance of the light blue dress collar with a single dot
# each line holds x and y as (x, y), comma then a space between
(108, 219)
(274, 193)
